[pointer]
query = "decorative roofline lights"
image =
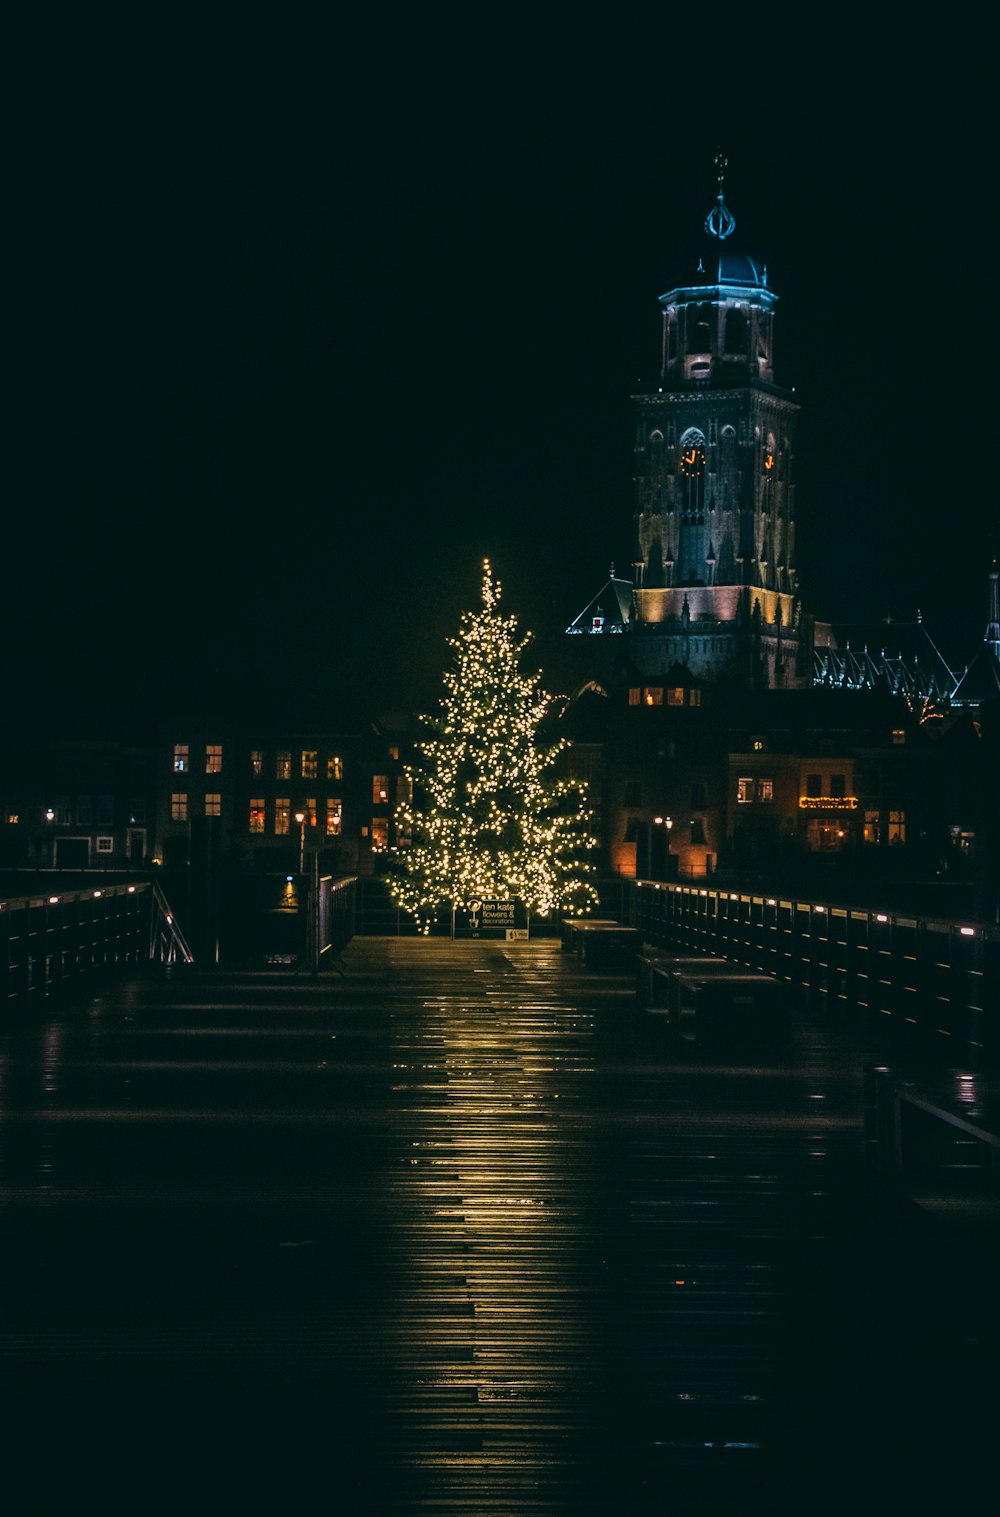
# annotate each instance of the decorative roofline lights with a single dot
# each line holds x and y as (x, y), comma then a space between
(828, 802)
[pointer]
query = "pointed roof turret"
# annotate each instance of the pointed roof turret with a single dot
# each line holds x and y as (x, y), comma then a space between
(981, 680)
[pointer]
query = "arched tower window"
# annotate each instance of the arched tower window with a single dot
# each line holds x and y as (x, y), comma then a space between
(737, 332)
(699, 331)
(728, 496)
(656, 471)
(691, 469)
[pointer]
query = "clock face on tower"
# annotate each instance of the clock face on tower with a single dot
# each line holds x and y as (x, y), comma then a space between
(693, 462)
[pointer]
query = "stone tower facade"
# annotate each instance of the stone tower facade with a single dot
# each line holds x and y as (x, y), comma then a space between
(715, 454)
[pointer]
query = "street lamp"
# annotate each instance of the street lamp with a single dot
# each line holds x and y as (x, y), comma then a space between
(300, 817)
(666, 822)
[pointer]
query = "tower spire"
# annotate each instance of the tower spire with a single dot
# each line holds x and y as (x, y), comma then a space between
(720, 221)
(993, 620)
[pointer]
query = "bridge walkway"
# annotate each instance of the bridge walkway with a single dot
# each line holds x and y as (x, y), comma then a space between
(460, 1232)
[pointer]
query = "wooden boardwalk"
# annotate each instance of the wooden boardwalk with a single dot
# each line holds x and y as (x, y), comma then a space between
(461, 1233)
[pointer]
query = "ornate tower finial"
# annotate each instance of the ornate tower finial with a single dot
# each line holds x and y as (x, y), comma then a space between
(720, 221)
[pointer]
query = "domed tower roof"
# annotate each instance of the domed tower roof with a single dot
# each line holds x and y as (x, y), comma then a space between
(717, 264)
(718, 321)
(722, 267)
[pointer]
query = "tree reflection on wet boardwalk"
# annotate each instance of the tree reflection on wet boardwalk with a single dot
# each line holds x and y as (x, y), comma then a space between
(459, 1232)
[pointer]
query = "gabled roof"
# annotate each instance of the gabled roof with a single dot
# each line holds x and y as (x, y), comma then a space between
(901, 655)
(981, 681)
(609, 611)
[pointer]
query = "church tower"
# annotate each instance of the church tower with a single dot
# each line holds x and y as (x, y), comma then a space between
(715, 452)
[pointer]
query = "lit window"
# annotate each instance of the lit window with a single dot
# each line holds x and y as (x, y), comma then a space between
(653, 696)
(257, 761)
(757, 744)
(675, 696)
(635, 696)
(178, 806)
(898, 735)
(257, 814)
(282, 814)
(213, 804)
(309, 807)
(105, 845)
(12, 818)
(213, 758)
(335, 767)
(897, 828)
(765, 790)
(694, 697)
(84, 810)
(871, 833)
(105, 810)
(394, 752)
(334, 818)
(283, 766)
(309, 763)
(180, 758)
(380, 789)
(744, 790)
(380, 833)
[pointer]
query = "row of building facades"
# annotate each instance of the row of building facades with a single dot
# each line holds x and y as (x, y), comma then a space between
(266, 798)
(686, 780)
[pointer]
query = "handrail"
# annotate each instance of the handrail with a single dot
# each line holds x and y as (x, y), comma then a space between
(176, 942)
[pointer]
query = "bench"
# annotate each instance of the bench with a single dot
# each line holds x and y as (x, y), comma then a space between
(572, 926)
(939, 1131)
(607, 945)
(655, 969)
(730, 1012)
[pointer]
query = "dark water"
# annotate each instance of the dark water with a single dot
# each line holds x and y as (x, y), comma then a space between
(461, 1233)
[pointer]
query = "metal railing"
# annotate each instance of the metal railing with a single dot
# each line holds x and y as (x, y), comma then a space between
(939, 977)
(50, 941)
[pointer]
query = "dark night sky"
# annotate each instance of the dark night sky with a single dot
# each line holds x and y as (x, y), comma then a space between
(305, 321)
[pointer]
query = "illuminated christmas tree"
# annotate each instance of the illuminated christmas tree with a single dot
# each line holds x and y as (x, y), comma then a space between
(488, 819)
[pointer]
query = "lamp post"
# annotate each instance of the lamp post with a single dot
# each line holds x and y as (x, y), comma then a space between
(666, 822)
(300, 817)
